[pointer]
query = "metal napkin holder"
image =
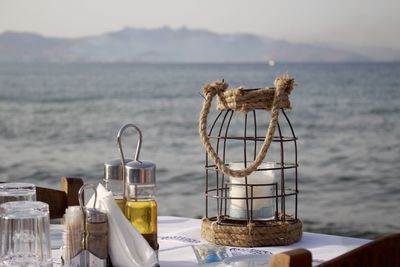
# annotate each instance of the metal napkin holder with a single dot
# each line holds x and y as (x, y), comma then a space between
(95, 236)
(86, 258)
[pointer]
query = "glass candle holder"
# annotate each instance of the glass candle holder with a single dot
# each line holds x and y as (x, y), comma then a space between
(260, 186)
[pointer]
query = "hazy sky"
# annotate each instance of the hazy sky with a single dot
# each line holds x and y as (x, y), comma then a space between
(364, 22)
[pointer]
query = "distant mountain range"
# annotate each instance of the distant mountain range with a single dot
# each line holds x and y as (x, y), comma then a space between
(180, 45)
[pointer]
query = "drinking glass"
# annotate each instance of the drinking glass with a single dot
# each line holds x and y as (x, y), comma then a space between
(25, 234)
(17, 192)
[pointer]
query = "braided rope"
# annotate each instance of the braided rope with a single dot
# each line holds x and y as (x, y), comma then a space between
(259, 234)
(283, 84)
(247, 100)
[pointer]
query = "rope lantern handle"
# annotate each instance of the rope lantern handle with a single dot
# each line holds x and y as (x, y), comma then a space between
(217, 88)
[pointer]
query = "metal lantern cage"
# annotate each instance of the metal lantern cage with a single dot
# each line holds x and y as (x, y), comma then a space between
(237, 137)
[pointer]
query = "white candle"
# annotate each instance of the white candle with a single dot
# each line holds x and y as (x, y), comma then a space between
(262, 208)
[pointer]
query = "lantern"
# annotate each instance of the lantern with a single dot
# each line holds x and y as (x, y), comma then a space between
(251, 187)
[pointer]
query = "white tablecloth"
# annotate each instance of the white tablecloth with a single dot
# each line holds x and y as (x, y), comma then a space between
(176, 235)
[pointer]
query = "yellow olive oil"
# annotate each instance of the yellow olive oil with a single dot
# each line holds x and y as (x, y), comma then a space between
(120, 202)
(143, 216)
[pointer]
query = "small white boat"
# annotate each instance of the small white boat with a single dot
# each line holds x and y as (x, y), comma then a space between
(271, 62)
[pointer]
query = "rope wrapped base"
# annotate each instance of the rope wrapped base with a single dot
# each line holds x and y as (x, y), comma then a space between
(257, 234)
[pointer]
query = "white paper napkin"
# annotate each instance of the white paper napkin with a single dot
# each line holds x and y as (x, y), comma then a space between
(126, 246)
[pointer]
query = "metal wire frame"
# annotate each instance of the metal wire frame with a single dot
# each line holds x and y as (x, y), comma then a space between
(221, 189)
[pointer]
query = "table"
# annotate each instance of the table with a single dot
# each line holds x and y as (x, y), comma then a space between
(176, 236)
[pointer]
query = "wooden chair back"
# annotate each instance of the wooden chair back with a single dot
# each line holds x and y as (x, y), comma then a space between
(382, 252)
(59, 200)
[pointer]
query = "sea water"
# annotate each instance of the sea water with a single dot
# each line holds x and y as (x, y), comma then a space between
(62, 120)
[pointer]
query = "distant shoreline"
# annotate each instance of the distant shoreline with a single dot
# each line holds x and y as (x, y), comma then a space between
(197, 63)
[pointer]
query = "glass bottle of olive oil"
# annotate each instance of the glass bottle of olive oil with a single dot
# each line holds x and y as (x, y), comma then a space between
(139, 188)
(114, 182)
(140, 206)
(143, 215)
(120, 200)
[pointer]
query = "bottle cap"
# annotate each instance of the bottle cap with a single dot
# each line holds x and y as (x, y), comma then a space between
(136, 171)
(95, 216)
(113, 169)
(140, 172)
(92, 215)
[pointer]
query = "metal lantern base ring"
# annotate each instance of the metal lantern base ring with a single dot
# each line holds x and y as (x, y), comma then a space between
(256, 234)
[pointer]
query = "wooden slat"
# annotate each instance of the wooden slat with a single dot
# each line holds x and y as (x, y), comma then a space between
(56, 199)
(378, 253)
(71, 186)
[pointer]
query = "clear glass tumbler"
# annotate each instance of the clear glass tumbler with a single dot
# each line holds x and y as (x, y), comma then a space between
(17, 192)
(25, 234)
